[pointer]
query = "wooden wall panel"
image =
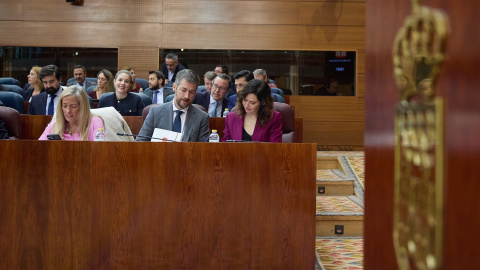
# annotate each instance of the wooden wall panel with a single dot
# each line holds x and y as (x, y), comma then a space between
(142, 59)
(265, 12)
(107, 11)
(360, 85)
(263, 37)
(332, 13)
(332, 38)
(231, 12)
(328, 109)
(72, 34)
(361, 61)
(223, 36)
(334, 133)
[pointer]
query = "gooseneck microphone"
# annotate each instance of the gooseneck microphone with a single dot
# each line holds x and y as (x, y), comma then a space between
(141, 136)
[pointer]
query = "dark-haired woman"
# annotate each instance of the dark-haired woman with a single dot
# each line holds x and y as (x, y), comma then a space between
(254, 118)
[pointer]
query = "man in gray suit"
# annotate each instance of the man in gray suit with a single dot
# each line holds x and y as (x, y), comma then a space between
(155, 89)
(179, 115)
(80, 75)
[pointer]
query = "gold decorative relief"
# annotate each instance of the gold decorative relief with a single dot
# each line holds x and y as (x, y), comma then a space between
(418, 53)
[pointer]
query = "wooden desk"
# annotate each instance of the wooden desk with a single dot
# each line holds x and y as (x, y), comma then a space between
(131, 205)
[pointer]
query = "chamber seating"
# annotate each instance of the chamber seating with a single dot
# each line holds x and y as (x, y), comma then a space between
(14, 88)
(143, 83)
(11, 117)
(12, 100)
(9, 80)
(288, 121)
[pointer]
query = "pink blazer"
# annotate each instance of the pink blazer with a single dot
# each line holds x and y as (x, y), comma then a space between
(271, 132)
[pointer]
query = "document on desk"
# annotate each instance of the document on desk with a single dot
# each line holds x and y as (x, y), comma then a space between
(163, 135)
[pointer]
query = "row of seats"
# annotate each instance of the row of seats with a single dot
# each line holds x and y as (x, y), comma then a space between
(11, 117)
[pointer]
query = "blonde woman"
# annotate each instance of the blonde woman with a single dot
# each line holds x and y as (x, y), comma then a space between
(73, 120)
(36, 85)
(104, 84)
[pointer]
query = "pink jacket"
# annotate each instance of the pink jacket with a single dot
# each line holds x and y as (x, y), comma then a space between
(95, 124)
(271, 132)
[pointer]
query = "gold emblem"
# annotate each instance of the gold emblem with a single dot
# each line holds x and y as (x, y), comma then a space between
(418, 53)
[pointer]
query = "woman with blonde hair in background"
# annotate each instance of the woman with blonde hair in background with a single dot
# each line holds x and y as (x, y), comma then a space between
(36, 85)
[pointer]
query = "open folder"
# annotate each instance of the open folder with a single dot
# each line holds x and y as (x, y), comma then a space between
(163, 135)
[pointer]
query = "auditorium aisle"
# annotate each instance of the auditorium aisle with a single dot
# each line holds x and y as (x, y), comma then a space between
(340, 210)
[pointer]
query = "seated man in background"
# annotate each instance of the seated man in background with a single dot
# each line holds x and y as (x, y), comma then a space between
(215, 102)
(171, 67)
(45, 103)
(241, 79)
(330, 89)
(261, 74)
(155, 89)
(221, 69)
(80, 75)
(179, 115)
(208, 78)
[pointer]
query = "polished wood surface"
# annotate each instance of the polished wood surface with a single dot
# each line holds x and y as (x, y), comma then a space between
(457, 83)
(379, 132)
(112, 205)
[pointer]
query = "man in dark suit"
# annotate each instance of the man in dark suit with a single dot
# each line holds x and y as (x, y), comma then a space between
(241, 79)
(171, 67)
(179, 115)
(45, 103)
(80, 75)
(222, 69)
(215, 102)
(155, 89)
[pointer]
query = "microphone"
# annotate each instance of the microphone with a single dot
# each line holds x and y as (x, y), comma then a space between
(141, 136)
(241, 141)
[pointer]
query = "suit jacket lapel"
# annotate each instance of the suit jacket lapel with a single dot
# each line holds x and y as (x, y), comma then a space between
(44, 104)
(258, 132)
(187, 129)
(237, 128)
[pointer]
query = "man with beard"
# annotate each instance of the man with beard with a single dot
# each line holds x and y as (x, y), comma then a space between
(178, 115)
(80, 75)
(45, 103)
(215, 102)
(155, 89)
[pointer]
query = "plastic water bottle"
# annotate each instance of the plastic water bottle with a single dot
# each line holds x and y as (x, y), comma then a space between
(100, 136)
(214, 136)
(225, 112)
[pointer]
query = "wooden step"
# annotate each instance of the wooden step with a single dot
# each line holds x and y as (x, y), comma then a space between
(339, 216)
(335, 187)
(339, 226)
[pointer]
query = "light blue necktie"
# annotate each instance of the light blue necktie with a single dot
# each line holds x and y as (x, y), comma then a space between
(214, 111)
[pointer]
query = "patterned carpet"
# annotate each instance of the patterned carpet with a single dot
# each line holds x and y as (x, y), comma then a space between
(327, 174)
(358, 165)
(340, 254)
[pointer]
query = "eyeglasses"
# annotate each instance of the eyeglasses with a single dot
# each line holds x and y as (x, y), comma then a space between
(220, 88)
